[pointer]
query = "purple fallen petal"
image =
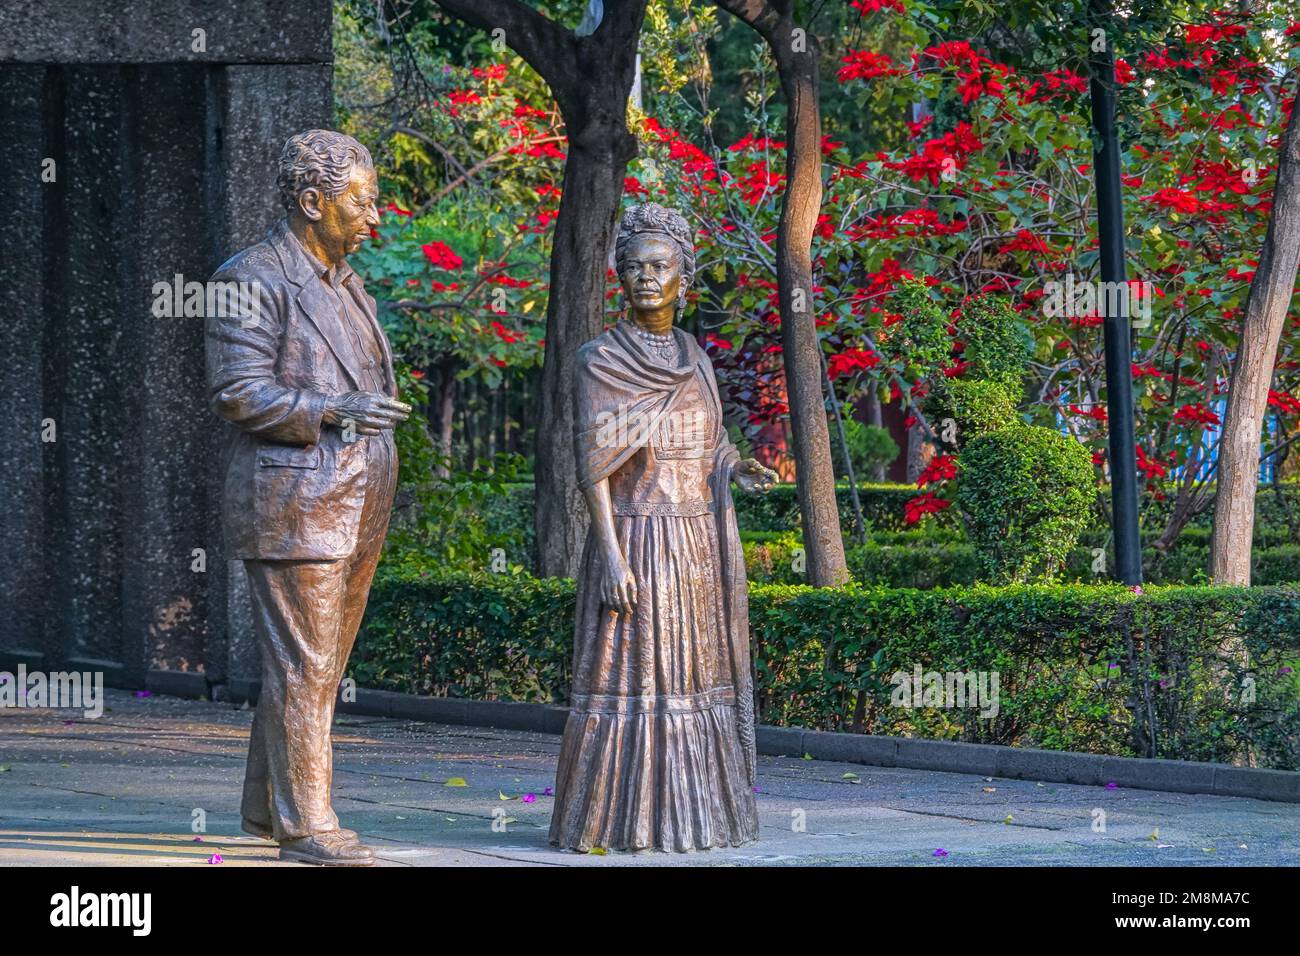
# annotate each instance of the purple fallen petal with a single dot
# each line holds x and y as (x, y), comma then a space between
(529, 798)
(941, 852)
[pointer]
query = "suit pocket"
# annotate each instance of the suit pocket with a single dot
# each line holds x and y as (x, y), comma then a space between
(288, 456)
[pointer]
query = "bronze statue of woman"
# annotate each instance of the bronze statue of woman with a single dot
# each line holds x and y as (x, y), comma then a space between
(658, 751)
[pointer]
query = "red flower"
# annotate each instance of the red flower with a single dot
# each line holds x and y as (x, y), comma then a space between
(1196, 415)
(497, 71)
(1174, 199)
(755, 145)
(974, 84)
(851, 360)
(1149, 466)
(441, 256)
(1284, 401)
(1026, 241)
(923, 505)
(758, 181)
(955, 51)
(1097, 411)
(865, 65)
(875, 6)
(940, 468)
(504, 334)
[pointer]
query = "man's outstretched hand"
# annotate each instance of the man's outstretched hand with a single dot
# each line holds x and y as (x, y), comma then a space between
(370, 412)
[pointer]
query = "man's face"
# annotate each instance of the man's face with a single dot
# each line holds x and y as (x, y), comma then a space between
(346, 220)
(652, 272)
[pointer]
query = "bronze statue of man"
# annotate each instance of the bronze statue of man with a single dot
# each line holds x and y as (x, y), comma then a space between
(305, 379)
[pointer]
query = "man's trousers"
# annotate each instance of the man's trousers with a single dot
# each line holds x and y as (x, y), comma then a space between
(307, 614)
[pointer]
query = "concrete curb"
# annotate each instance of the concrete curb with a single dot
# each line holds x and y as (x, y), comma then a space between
(987, 760)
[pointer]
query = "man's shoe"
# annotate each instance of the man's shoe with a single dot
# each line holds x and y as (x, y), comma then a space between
(256, 829)
(265, 832)
(327, 849)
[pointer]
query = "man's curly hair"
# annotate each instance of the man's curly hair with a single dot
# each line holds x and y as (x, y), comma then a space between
(651, 218)
(320, 159)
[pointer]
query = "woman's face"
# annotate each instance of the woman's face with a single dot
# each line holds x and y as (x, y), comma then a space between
(652, 273)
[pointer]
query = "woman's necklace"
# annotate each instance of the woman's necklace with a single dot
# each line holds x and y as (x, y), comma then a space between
(662, 347)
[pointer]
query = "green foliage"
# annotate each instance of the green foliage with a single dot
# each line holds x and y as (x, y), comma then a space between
(1026, 493)
(977, 406)
(997, 349)
(1073, 661)
(870, 447)
(453, 521)
(778, 509)
(997, 345)
(467, 634)
(919, 341)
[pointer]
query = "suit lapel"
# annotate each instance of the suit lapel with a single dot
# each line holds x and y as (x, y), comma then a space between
(315, 304)
(324, 314)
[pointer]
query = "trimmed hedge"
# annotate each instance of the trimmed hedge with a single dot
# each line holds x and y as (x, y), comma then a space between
(1090, 668)
(946, 561)
(511, 515)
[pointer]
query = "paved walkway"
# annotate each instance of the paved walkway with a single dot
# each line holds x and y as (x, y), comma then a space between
(124, 790)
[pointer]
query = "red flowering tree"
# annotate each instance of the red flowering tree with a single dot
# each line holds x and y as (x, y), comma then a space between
(462, 279)
(991, 191)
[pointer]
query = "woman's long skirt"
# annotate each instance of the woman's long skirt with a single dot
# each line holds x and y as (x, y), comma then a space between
(650, 755)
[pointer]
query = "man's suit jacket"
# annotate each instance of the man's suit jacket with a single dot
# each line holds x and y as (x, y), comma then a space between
(293, 489)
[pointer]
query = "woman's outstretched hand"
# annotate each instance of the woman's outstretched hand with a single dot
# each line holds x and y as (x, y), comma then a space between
(617, 586)
(752, 477)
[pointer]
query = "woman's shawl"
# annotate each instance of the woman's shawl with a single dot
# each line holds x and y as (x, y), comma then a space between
(620, 396)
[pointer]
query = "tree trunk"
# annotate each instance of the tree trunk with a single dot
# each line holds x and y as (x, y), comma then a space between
(1266, 308)
(919, 452)
(875, 418)
(590, 76)
(800, 207)
(584, 231)
(795, 52)
(446, 415)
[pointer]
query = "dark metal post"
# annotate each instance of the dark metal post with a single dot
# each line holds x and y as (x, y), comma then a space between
(1119, 349)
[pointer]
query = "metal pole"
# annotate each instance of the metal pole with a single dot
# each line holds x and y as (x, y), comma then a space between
(1119, 349)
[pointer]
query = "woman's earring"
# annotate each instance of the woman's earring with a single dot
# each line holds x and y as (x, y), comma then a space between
(681, 300)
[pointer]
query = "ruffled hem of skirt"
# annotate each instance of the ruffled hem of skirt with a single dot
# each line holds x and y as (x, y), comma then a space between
(607, 794)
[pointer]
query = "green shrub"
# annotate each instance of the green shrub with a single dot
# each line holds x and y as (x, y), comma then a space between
(1025, 493)
(920, 339)
(870, 447)
(911, 566)
(1091, 668)
(978, 407)
(467, 634)
(455, 521)
(506, 519)
(778, 510)
(997, 347)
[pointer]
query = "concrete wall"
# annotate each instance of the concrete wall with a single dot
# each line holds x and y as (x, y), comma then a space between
(164, 163)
